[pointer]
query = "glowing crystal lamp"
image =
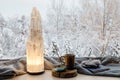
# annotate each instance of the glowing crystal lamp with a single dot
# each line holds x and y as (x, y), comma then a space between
(34, 49)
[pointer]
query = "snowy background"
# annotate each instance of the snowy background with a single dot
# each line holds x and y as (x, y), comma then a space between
(81, 27)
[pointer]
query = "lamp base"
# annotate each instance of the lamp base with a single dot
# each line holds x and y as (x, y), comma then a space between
(37, 73)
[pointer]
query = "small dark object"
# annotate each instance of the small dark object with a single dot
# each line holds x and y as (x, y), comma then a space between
(59, 69)
(69, 61)
(36, 73)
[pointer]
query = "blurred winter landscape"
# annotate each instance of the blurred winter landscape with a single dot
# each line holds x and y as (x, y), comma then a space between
(81, 27)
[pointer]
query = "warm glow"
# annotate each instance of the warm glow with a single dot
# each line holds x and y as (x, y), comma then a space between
(35, 60)
(35, 56)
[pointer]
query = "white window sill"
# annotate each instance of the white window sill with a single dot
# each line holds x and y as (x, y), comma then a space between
(47, 76)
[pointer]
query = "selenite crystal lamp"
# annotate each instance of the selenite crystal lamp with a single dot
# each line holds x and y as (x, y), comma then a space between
(34, 49)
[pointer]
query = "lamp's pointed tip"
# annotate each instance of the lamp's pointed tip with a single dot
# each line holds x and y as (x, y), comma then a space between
(34, 11)
(34, 8)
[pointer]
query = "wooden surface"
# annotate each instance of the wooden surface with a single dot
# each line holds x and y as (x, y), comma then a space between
(65, 74)
(48, 76)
